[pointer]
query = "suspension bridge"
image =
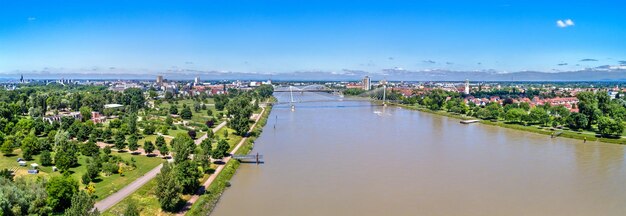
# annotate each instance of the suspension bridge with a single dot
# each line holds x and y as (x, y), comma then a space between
(294, 94)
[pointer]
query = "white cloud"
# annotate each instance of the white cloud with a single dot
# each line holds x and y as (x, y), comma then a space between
(31, 18)
(564, 23)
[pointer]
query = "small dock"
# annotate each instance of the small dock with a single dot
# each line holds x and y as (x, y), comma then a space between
(249, 158)
(470, 121)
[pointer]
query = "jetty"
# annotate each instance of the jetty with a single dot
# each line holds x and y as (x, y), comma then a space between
(470, 121)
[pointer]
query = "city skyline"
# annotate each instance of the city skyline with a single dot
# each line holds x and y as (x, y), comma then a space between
(331, 38)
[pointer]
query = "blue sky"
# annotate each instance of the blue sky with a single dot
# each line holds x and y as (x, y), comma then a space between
(331, 36)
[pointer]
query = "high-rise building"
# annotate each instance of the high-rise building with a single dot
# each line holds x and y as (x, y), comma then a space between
(367, 83)
(159, 79)
(196, 80)
(467, 87)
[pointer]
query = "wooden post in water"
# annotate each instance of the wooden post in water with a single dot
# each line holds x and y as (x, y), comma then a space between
(257, 158)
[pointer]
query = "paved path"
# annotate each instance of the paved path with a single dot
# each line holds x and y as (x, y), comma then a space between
(118, 196)
(219, 169)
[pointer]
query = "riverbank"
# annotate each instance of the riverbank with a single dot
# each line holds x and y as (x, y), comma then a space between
(534, 129)
(206, 202)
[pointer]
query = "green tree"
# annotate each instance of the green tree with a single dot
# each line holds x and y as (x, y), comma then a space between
(609, 127)
(23, 197)
(120, 141)
(60, 191)
(164, 150)
(576, 121)
(45, 158)
(187, 176)
(7, 146)
(93, 170)
(221, 150)
(160, 141)
(515, 115)
(82, 205)
(66, 155)
(132, 143)
(90, 148)
(168, 120)
(173, 109)
(182, 146)
(85, 113)
(29, 146)
(539, 115)
(148, 147)
(169, 190)
(241, 110)
(265, 91)
(186, 113)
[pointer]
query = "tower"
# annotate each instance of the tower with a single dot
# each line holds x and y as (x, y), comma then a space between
(467, 87)
(367, 83)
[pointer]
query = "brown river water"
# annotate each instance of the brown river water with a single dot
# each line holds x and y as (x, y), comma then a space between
(356, 158)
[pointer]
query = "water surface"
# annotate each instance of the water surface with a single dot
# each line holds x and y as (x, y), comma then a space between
(354, 158)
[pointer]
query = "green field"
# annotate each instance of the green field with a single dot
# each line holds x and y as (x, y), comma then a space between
(105, 185)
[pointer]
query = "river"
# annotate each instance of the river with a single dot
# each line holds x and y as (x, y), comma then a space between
(354, 158)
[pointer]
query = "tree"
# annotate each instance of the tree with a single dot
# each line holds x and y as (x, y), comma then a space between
(186, 113)
(576, 121)
(173, 109)
(85, 113)
(132, 143)
(85, 179)
(609, 127)
(187, 176)
(241, 110)
(164, 150)
(29, 146)
(45, 158)
(169, 190)
(221, 150)
(120, 141)
(491, 111)
(524, 105)
(168, 120)
(7, 146)
(149, 129)
(93, 170)
(23, 197)
(588, 105)
(206, 146)
(539, 115)
(90, 148)
(60, 191)
(515, 115)
(148, 147)
(209, 112)
(65, 156)
(182, 146)
(133, 98)
(265, 91)
(82, 205)
(160, 141)
(192, 134)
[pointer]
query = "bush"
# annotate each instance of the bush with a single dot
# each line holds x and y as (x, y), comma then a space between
(46, 158)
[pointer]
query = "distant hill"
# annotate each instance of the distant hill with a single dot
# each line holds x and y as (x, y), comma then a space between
(346, 75)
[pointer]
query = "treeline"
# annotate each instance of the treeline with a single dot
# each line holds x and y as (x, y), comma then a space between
(597, 112)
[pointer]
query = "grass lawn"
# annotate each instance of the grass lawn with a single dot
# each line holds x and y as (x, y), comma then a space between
(145, 200)
(105, 185)
(232, 139)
